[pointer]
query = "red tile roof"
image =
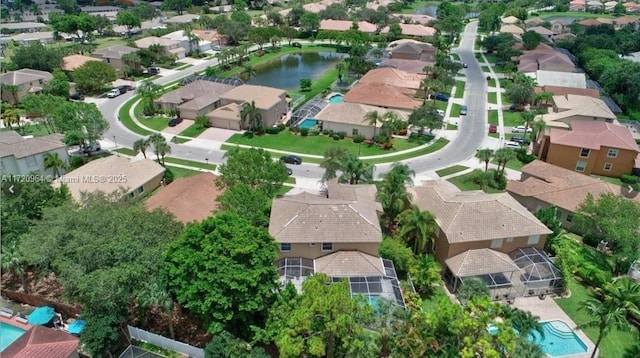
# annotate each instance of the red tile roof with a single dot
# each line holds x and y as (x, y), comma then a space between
(40, 342)
(593, 135)
(382, 95)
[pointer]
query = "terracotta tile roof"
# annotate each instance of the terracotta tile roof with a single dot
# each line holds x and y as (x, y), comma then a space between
(349, 263)
(532, 61)
(209, 35)
(541, 30)
(415, 18)
(511, 29)
(40, 342)
(594, 135)
(188, 199)
(475, 216)
(382, 95)
(534, 20)
(572, 105)
(345, 25)
(480, 262)
(21, 148)
(134, 174)
(392, 76)
(590, 22)
(72, 62)
(352, 113)
(411, 66)
(24, 75)
(510, 20)
(197, 94)
(265, 97)
(153, 40)
(115, 51)
(413, 30)
(307, 218)
(414, 48)
(558, 186)
(561, 91)
(625, 20)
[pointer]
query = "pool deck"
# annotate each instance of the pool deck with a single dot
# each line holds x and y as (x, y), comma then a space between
(548, 310)
(12, 321)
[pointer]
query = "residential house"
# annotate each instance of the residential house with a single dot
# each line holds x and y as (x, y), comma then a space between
(561, 79)
(145, 25)
(41, 341)
(414, 18)
(113, 55)
(488, 231)
(590, 147)
(631, 7)
(414, 30)
(562, 91)
(315, 7)
(14, 27)
(344, 25)
(135, 178)
(393, 77)
(383, 95)
(409, 66)
(20, 156)
(374, 5)
(596, 22)
(194, 99)
(71, 62)
(577, 5)
(213, 36)
(272, 103)
(197, 43)
(183, 19)
(169, 47)
(544, 57)
(350, 118)
(625, 21)
(510, 20)
(570, 107)
(543, 31)
(543, 184)
(594, 5)
(512, 29)
(22, 82)
(338, 234)
(533, 22)
(609, 5)
(560, 26)
(26, 38)
(413, 50)
(188, 199)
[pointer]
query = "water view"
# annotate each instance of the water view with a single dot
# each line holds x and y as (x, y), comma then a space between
(287, 71)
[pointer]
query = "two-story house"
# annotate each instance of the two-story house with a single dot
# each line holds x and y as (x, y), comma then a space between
(590, 147)
(113, 55)
(271, 102)
(414, 50)
(338, 234)
(21, 156)
(196, 98)
(570, 107)
(17, 84)
(169, 47)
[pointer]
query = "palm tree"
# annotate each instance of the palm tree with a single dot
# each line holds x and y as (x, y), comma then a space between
(156, 296)
(527, 117)
(332, 162)
(391, 121)
(373, 118)
(275, 40)
(52, 161)
(250, 116)
(355, 171)
(160, 147)
(485, 155)
(624, 292)
(503, 156)
(10, 116)
(340, 68)
(192, 38)
(11, 260)
(605, 316)
(141, 146)
(539, 126)
(393, 193)
(417, 226)
(247, 72)
(149, 92)
(544, 97)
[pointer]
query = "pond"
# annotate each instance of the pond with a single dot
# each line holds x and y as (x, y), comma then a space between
(567, 19)
(287, 71)
(432, 10)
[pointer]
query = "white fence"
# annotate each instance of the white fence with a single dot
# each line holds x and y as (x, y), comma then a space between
(164, 342)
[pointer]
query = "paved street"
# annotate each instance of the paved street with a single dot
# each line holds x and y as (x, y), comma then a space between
(471, 133)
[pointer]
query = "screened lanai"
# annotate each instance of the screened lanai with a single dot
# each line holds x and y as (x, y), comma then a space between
(538, 272)
(309, 110)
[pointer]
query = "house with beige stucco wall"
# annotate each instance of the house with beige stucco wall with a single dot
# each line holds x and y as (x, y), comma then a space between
(350, 118)
(25, 81)
(272, 103)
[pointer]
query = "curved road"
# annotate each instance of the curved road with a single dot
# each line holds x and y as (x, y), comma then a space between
(471, 131)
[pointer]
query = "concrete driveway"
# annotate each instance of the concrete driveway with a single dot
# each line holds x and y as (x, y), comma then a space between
(186, 123)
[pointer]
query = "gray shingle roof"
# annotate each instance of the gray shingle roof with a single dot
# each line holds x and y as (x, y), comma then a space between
(13, 144)
(480, 262)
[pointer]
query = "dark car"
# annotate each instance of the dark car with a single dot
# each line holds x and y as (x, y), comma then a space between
(175, 121)
(288, 170)
(440, 97)
(516, 108)
(463, 110)
(77, 97)
(493, 128)
(291, 159)
(296, 44)
(153, 70)
(521, 140)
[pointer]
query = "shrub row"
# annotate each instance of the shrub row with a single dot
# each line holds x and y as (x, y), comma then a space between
(629, 179)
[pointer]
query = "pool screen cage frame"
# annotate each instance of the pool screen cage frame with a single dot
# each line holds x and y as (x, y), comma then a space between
(309, 110)
(137, 352)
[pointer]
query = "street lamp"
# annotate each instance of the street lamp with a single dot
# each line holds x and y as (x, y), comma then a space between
(116, 145)
(207, 161)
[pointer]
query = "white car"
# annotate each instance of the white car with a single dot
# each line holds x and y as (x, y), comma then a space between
(520, 129)
(113, 93)
(512, 145)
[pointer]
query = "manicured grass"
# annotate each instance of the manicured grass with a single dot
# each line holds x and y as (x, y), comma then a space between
(465, 182)
(491, 82)
(451, 170)
(451, 127)
(173, 66)
(512, 119)
(125, 118)
(478, 55)
(179, 140)
(105, 42)
(190, 163)
(305, 159)
(615, 181)
(578, 15)
(157, 123)
(127, 151)
(439, 144)
(486, 69)
(193, 131)
(316, 145)
(439, 104)
(182, 67)
(514, 164)
(320, 84)
(36, 130)
(455, 110)
(492, 97)
(182, 172)
(615, 343)
(459, 89)
(283, 190)
(493, 117)
(455, 56)
(491, 58)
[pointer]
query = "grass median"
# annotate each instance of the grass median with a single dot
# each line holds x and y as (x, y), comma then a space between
(125, 118)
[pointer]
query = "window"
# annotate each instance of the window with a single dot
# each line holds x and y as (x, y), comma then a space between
(607, 167)
(584, 153)
(612, 153)
(285, 247)
(132, 195)
(140, 190)
(313, 244)
(569, 218)
(354, 131)
(327, 246)
(581, 166)
(509, 239)
(496, 244)
(533, 240)
(609, 120)
(31, 161)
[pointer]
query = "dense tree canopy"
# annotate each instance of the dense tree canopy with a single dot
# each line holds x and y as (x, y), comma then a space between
(36, 56)
(254, 168)
(93, 76)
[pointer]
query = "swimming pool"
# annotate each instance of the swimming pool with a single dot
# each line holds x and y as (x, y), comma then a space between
(9, 334)
(559, 340)
(307, 123)
(336, 98)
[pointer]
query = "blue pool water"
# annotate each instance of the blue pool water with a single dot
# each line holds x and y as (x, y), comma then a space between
(307, 123)
(8, 335)
(336, 98)
(559, 340)
(373, 301)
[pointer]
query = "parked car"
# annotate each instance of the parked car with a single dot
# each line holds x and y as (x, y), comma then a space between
(493, 128)
(288, 170)
(463, 110)
(512, 145)
(153, 70)
(464, 65)
(516, 108)
(217, 48)
(116, 92)
(520, 129)
(440, 97)
(296, 44)
(291, 159)
(93, 147)
(521, 140)
(175, 121)
(440, 113)
(77, 97)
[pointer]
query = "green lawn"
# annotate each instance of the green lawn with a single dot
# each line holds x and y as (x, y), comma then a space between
(439, 144)
(179, 140)
(305, 159)
(512, 119)
(514, 164)
(451, 170)
(492, 97)
(193, 131)
(478, 55)
(455, 110)
(615, 181)
(316, 145)
(459, 89)
(493, 117)
(173, 66)
(105, 42)
(283, 190)
(182, 172)
(491, 82)
(615, 343)
(157, 123)
(125, 118)
(465, 182)
(36, 130)
(451, 127)
(486, 69)
(492, 58)
(320, 84)
(455, 56)
(185, 66)
(127, 151)
(190, 163)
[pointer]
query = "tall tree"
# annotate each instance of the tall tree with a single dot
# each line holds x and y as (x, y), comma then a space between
(81, 25)
(141, 145)
(36, 56)
(254, 168)
(355, 171)
(93, 76)
(58, 85)
(176, 5)
(605, 316)
(148, 92)
(249, 204)
(417, 227)
(333, 158)
(13, 262)
(84, 120)
(52, 161)
(128, 19)
(522, 90)
(10, 117)
(502, 157)
(251, 116)
(160, 147)
(222, 269)
(392, 192)
(373, 118)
